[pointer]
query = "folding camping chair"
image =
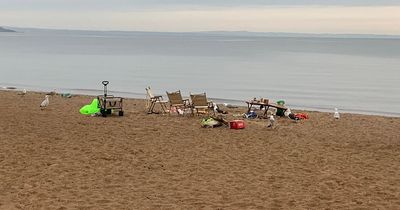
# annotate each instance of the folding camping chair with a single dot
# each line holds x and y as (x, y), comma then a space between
(200, 104)
(152, 100)
(177, 102)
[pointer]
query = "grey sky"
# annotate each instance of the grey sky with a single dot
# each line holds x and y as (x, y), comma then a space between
(313, 16)
(133, 4)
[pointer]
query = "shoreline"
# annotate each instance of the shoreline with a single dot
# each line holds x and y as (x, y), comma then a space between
(132, 95)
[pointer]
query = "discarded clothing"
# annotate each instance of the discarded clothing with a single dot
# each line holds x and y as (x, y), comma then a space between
(300, 116)
(250, 115)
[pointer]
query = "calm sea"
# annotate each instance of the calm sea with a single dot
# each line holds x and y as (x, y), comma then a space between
(357, 75)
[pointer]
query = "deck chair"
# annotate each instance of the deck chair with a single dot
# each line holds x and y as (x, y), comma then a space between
(152, 100)
(200, 104)
(177, 102)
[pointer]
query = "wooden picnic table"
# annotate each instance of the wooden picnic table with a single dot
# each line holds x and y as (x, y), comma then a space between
(250, 104)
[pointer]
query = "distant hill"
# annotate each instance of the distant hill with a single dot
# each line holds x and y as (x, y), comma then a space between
(205, 33)
(5, 30)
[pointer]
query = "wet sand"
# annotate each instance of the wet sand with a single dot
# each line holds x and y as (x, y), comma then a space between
(60, 159)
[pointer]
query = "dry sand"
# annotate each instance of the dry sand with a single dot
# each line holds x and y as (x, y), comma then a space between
(59, 159)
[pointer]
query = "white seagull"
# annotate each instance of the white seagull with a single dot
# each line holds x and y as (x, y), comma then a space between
(271, 121)
(336, 115)
(23, 92)
(45, 103)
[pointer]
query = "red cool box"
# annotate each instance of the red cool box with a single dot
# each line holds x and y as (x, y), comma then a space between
(236, 124)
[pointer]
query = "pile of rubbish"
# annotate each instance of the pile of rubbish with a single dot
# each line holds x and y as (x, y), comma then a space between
(299, 116)
(213, 121)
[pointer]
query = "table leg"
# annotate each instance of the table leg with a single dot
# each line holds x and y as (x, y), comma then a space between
(249, 107)
(266, 110)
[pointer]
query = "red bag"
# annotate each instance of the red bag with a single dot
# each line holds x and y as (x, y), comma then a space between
(236, 124)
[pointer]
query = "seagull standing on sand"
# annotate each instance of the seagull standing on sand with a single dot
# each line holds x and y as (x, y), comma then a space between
(23, 92)
(271, 121)
(336, 115)
(45, 103)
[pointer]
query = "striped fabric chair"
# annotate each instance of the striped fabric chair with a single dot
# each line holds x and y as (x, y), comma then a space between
(177, 102)
(200, 104)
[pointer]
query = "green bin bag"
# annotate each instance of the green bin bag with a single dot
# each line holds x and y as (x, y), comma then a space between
(280, 112)
(92, 108)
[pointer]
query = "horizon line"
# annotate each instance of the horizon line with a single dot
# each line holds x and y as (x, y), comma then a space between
(211, 31)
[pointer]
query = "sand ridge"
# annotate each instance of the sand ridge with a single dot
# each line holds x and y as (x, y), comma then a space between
(59, 159)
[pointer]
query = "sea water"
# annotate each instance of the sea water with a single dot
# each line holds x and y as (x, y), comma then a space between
(359, 75)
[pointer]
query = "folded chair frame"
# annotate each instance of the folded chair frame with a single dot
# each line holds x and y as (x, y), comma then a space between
(153, 100)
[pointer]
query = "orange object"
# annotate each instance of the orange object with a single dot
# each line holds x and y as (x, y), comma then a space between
(302, 116)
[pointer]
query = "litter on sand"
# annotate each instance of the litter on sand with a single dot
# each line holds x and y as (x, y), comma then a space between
(212, 122)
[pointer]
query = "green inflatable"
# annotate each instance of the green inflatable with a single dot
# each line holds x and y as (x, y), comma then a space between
(92, 108)
(210, 122)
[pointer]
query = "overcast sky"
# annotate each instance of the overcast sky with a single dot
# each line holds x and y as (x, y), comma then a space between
(306, 16)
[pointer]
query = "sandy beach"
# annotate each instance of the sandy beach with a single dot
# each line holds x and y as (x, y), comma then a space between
(60, 159)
